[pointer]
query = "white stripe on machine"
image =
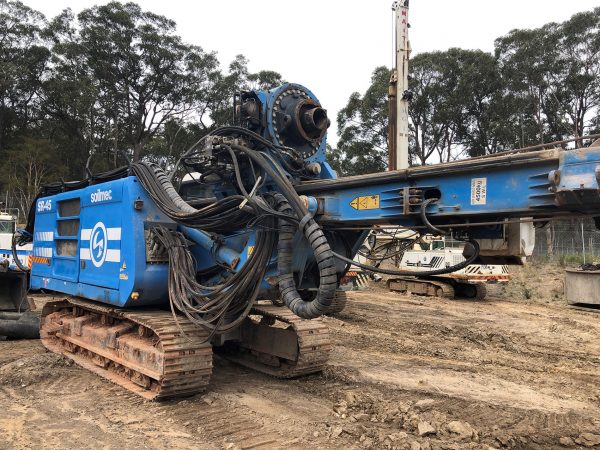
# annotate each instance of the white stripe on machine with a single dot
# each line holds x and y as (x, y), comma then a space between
(112, 234)
(46, 236)
(42, 251)
(112, 255)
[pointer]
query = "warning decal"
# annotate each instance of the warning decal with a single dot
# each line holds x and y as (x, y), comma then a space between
(365, 202)
(478, 191)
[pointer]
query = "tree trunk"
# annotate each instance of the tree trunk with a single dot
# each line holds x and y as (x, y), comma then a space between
(550, 239)
(1, 126)
(137, 151)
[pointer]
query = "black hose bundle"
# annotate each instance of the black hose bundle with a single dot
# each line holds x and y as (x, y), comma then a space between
(226, 215)
(219, 308)
(222, 215)
(313, 233)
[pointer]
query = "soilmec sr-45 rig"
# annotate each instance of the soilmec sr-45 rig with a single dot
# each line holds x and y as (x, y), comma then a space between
(247, 254)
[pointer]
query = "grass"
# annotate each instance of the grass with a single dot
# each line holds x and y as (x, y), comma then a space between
(570, 259)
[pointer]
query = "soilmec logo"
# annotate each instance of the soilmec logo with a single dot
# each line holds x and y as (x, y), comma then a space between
(98, 244)
(101, 196)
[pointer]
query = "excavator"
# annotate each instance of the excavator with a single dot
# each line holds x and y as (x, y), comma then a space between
(405, 250)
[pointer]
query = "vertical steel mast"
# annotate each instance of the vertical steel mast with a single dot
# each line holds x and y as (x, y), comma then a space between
(399, 94)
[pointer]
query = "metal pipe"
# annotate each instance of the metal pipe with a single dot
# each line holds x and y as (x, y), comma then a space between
(222, 253)
(27, 326)
(392, 92)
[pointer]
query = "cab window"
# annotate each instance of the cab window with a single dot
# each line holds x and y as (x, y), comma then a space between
(7, 226)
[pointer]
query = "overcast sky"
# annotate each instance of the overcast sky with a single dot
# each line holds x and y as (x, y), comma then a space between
(332, 46)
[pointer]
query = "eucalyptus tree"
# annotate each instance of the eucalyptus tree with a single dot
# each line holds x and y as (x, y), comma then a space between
(23, 63)
(363, 128)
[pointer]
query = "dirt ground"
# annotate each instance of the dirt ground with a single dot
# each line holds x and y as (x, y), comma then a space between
(518, 370)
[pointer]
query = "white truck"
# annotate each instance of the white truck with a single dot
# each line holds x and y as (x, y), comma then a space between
(13, 281)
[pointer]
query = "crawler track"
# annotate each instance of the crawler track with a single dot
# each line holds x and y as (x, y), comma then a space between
(145, 351)
(432, 288)
(585, 307)
(277, 342)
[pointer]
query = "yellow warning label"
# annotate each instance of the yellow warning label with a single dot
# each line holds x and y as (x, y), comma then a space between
(250, 250)
(365, 202)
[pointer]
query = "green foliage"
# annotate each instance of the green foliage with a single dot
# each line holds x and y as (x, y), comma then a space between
(28, 165)
(540, 85)
(575, 259)
(552, 76)
(363, 126)
(144, 74)
(23, 62)
(113, 80)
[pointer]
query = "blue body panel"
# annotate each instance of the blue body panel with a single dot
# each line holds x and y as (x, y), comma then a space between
(104, 257)
(469, 192)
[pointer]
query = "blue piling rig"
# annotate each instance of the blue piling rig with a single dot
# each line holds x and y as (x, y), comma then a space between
(260, 215)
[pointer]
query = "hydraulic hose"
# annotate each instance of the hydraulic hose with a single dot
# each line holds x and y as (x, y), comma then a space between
(19, 241)
(289, 201)
(430, 227)
(221, 307)
(222, 215)
(321, 304)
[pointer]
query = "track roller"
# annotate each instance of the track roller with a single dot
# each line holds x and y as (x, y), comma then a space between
(277, 342)
(475, 291)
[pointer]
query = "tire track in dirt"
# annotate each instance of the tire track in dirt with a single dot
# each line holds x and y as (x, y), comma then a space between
(498, 372)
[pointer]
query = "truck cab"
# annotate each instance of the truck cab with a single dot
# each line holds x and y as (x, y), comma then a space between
(13, 281)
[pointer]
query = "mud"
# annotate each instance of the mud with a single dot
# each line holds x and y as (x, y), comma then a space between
(406, 372)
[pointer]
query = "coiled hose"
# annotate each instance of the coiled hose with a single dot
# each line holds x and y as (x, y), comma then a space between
(321, 304)
(222, 215)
